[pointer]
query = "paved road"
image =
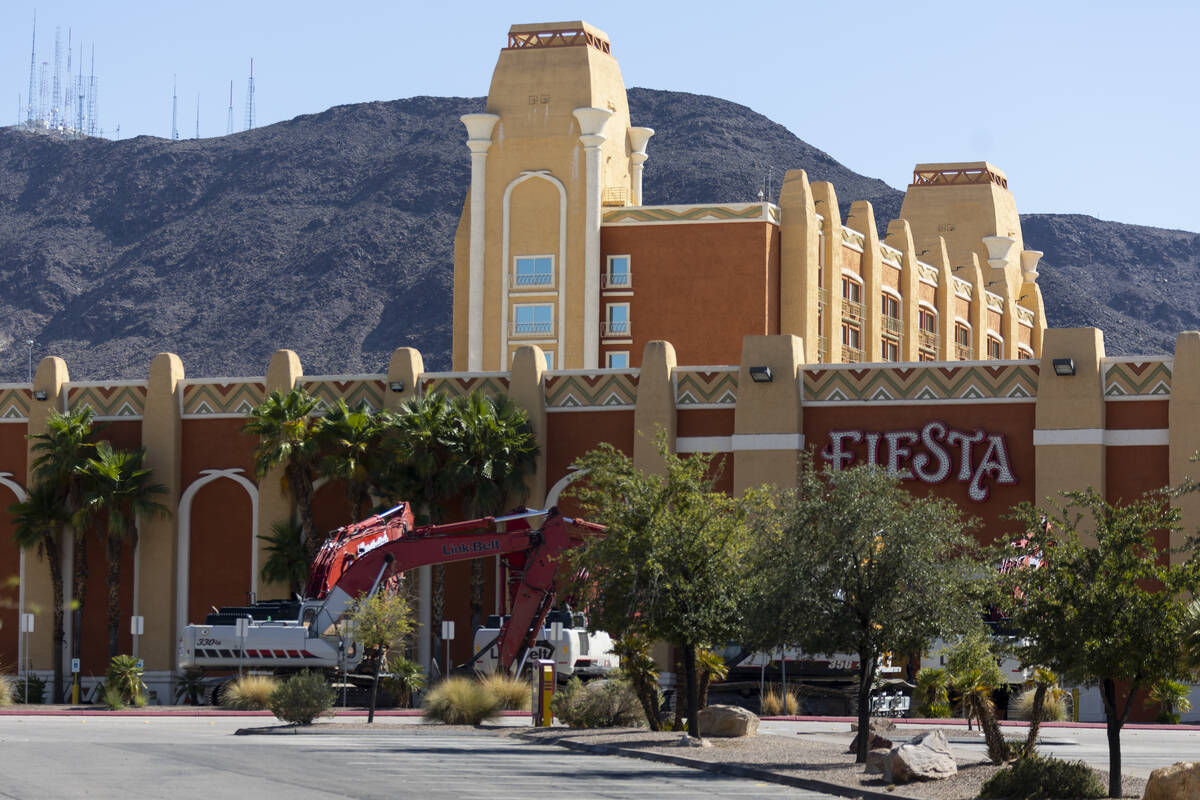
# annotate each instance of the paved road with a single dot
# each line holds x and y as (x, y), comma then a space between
(42, 758)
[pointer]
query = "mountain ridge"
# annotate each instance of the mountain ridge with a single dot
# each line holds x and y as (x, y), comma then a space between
(331, 234)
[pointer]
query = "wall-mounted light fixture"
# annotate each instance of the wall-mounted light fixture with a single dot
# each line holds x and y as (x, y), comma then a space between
(396, 386)
(39, 395)
(1064, 366)
(761, 374)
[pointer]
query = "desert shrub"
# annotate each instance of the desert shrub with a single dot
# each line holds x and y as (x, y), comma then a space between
(302, 698)
(1172, 697)
(461, 701)
(125, 677)
(249, 693)
(932, 693)
(6, 691)
(514, 694)
(611, 703)
(776, 703)
(28, 689)
(112, 697)
(189, 686)
(1054, 706)
(1039, 778)
(403, 677)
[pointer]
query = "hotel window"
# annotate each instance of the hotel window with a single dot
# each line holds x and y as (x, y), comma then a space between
(890, 306)
(618, 275)
(1024, 352)
(995, 347)
(533, 270)
(962, 341)
(851, 290)
(927, 321)
(925, 355)
(549, 359)
(619, 360)
(617, 322)
(533, 319)
(889, 350)
(851, 337)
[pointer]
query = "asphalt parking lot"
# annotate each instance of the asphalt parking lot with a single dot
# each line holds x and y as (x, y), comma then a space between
(180, 758)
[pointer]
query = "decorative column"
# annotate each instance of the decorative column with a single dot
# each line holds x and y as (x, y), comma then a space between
(638, 139)
(479, 139)
(591, 126)
(1031, 297)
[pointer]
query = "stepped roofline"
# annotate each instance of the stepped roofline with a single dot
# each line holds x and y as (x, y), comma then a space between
(575, 33)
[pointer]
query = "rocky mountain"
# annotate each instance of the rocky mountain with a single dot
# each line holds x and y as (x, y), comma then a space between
(331, 234)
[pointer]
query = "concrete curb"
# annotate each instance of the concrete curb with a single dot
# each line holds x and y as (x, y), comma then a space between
(732, 770)
(391, 730)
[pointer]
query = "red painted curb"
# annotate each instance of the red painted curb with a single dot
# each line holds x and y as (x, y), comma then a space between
(77, 711)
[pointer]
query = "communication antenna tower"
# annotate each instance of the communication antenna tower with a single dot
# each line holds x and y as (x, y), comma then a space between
(174, 109)
(80, 94)
(93, 97)
(250, 98)
(42, 92)
(67, 100)
(229, 119)
(32, 71)
(56, 98)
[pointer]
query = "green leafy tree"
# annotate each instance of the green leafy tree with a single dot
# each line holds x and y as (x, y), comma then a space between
(671, 564)
(1108, 613)
(380, 621)
(854, 563)
(38, 521)
(493, 450)
(287, 557)
(59, 455)
(117, 488)
(351, 440)
(288, 437)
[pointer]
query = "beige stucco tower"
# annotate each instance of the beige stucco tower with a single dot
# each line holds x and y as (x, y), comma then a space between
(553, 146)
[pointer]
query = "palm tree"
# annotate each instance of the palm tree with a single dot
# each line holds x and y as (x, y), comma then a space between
(287, 437)
(39, 519)
(351, 438)
(1045, 684)
(493, 450)
(287, 559)
(117, 488)
(61, 452)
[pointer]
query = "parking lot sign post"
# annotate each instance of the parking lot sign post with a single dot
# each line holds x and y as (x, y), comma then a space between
(27, 628)
(447, 637)
(137, 627)
(243, 628)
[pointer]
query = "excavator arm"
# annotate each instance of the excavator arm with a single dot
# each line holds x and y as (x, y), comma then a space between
(535, 554)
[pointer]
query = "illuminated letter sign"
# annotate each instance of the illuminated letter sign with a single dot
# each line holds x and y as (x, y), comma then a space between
(929, 455)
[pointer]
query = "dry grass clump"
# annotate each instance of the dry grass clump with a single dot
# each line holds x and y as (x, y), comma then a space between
(514, 694)
(1054, 706)
(6, 692)
(249, 693)
(461, 701)
(776, 703)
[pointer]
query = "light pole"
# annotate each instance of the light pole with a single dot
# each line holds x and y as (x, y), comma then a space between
(30, 342)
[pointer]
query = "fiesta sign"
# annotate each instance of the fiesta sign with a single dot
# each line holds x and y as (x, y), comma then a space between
(930, 455)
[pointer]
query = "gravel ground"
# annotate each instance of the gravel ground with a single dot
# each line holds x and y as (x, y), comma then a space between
(821, 757)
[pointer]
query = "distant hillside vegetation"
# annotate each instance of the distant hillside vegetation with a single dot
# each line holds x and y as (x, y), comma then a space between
(331, 234)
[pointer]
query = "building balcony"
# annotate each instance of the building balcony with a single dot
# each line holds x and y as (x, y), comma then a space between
(851, 355)
(892, 324)
(928, 340)
(616, 196)
(962, 352)
(532, 329)
(540, 281)
(621, 280)
(616, 330)
(851, 311)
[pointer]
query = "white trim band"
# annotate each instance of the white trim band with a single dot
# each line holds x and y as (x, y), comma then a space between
(1145, 437)
(739, 442)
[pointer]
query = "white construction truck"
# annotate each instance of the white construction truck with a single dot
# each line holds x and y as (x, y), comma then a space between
(311, 633)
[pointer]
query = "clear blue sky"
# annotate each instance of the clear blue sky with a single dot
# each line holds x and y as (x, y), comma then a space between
(1090, 107)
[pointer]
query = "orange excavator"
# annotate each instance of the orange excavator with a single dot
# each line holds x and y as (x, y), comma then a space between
(361, 558)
